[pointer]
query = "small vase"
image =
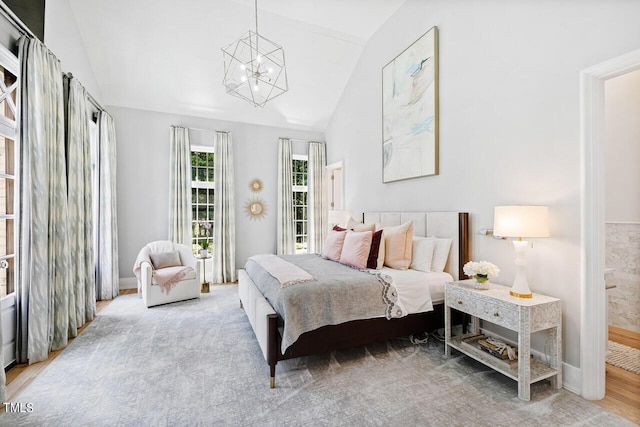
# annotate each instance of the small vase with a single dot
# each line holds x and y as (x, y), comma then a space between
(481, 281)
(204, 253)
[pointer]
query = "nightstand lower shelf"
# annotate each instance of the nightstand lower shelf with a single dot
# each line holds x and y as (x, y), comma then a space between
(539, 371)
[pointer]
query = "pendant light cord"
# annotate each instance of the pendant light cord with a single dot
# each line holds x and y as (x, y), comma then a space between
(256, 4)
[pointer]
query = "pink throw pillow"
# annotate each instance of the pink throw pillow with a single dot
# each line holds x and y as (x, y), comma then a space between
(356, 247)
(398, 245)
(333, 245)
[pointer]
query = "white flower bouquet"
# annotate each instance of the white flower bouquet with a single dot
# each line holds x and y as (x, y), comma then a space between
(480, 270)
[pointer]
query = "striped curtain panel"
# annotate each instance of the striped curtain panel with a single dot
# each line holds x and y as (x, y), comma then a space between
(107, 268)
(224, 224)
(317, 196)
(82, 289)
(180, 229)
(286, 243)
(42, 288)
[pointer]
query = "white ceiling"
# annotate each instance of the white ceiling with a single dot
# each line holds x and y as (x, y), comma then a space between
(164, 55)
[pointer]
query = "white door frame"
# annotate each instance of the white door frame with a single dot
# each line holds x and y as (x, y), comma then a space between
(593, 317)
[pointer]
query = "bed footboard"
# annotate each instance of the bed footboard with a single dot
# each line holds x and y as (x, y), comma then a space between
(263, 319)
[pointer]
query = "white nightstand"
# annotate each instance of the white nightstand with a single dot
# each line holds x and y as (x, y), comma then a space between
(523, 315)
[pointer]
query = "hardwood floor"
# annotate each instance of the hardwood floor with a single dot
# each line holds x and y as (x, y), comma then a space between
(622, 387)
(20, 376)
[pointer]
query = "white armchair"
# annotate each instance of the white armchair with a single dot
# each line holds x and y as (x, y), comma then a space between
(187, 288)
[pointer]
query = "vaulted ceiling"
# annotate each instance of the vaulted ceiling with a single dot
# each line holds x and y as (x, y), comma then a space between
(164, 55)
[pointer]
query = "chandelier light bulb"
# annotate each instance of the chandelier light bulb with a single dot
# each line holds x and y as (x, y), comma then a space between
(256, 87)
(242, 67)
(270, 70)
(259, 58)
(243, 78)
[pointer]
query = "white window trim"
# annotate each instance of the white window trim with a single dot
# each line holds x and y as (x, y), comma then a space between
(202, 149)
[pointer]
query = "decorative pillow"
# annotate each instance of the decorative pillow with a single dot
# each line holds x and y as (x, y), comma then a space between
(333, 245)
(356, 247)
(422, 253)
(358, 226)
(398, 242)
(440, 253)
(376, 241)
(165, 259)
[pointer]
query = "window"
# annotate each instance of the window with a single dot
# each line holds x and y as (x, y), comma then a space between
(202, 192)
(300, 201)
(8, 187)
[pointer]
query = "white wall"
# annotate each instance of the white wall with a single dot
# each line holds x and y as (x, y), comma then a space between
(143, 178)
(622, 136)
(62, 37)
(509, 124)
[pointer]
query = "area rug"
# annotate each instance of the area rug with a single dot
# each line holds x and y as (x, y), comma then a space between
(623, 356)
(197, 363)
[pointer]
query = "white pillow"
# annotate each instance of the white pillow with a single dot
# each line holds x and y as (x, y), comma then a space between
(358, 226)
(165, 259)
(440, 254)
(381, 252)
(423, 249)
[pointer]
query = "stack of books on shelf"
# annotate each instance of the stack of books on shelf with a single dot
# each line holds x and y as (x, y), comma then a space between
(486, 346)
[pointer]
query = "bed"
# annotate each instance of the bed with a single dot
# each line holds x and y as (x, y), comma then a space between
(269, 326)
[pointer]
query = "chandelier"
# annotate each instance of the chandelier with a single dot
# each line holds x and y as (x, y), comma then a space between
(254, 68)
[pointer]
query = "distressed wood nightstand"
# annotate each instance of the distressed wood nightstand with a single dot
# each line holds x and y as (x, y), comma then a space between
(523, 315)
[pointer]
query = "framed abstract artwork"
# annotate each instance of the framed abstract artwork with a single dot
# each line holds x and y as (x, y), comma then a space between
(410, 111)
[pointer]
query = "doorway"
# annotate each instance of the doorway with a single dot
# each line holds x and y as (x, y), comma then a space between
(593, 330)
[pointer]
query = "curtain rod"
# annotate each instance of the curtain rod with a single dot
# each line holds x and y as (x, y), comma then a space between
(13, 19)
(306, 141)
(202, 130)
(90, 97)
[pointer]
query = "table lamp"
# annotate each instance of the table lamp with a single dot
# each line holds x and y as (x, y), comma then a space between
(521, 221)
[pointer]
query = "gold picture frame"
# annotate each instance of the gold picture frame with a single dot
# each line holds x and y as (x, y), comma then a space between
(410, 111)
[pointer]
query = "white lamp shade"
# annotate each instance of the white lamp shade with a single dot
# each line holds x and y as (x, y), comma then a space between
(521, 221)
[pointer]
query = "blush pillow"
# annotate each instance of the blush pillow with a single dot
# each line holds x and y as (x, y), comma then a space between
(356, 247)
(333, 245)
(440, 253)
(422, 253)
(358, 226)
(165, 259)
(398, 242)
(374, 252)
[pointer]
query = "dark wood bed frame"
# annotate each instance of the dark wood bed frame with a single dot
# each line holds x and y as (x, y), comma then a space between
(366, 331)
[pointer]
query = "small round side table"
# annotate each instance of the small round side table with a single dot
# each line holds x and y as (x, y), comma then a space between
(204, 286)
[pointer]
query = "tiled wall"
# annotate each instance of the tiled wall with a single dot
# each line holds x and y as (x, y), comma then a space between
(623, 255)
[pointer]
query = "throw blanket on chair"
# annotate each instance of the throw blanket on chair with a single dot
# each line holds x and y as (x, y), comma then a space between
(167, 277)
(283, 271)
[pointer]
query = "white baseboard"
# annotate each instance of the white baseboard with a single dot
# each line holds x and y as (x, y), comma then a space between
(128, 283)
(572, 378)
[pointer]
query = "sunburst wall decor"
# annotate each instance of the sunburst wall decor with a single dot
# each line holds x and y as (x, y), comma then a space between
(255, 185)
(256, 208)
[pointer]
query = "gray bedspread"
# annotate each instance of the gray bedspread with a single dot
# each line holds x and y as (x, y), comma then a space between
(340, 294)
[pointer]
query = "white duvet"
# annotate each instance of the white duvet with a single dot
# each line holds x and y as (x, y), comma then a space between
(418, 290)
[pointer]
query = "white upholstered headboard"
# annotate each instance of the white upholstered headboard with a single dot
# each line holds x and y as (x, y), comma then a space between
(454, 225)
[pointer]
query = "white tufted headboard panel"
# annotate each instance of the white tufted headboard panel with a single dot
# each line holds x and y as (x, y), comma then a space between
(454, 225)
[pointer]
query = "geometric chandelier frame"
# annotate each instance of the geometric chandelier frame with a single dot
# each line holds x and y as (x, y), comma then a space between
(254, 68)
